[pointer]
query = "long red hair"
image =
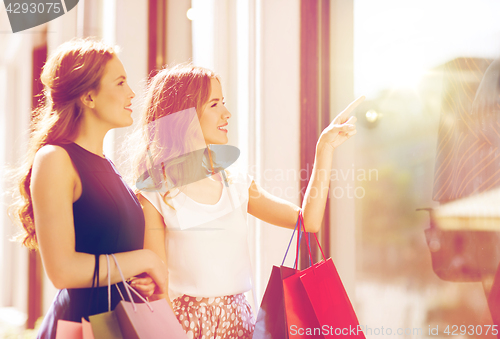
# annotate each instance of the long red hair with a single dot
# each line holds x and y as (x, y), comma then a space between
(73, 69)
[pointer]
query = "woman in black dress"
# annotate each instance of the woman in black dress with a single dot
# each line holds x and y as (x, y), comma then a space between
(73, 204)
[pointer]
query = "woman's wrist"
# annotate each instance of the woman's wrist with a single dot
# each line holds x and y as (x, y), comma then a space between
(324, 148)
(147, 258)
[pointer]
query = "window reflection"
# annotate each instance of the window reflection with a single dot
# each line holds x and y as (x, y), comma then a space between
(431, 129)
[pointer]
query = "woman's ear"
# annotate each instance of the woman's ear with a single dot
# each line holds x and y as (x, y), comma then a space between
(87, 99)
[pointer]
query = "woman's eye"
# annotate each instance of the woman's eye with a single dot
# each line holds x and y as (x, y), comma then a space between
(214, 105)
(121, 83)
(224, 103)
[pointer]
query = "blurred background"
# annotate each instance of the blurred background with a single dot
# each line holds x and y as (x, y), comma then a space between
(288, 67)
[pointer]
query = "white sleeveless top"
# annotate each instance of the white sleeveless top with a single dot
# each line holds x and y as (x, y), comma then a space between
(207, 245)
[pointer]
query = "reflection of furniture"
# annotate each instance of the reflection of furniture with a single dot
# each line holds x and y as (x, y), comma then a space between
(464, 237)
(479, 212)
(467, 176)
(464, 241)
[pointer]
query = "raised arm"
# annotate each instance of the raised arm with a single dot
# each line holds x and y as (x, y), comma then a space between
(54, 187)
(280, 212)
(339, 130)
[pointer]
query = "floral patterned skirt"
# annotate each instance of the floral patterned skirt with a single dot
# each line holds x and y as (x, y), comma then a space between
(225, 317)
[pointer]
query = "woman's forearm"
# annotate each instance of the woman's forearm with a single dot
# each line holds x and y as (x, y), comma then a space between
(313, 205)
(340, 130)
(77, 270)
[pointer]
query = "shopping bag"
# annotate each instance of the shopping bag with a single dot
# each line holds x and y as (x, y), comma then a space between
(155, 320)
(301, 320)
(311, 303)
(148, 320)
(87, 332)
(74, 330)
(105, 326)
(68, 330)
(271, 318)
(328, 298)
(300, 314)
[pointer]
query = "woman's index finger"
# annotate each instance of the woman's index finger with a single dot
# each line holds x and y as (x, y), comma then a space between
(344, 116)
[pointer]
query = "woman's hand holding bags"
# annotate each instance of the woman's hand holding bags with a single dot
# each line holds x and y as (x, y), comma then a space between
(129, 320)
(148, 320)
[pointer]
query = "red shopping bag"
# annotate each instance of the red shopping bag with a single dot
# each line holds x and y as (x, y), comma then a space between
(328, 298)
(272, 316)
(301, 319)
(311, 303)
(300, 316)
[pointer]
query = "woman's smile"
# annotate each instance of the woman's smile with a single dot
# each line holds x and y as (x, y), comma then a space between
(220, 128)
(216, 115)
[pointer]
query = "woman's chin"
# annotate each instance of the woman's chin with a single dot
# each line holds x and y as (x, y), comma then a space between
(217, 142)
(126, 122)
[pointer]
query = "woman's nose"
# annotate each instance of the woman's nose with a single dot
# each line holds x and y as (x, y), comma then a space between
(132, 93)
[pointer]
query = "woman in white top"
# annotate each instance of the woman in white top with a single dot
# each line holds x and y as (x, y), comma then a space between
(196, 210)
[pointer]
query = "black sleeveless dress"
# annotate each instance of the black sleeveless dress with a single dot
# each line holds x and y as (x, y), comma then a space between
(108, 219)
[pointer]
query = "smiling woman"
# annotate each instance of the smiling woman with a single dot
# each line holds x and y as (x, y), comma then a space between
(73, 205)
(112, 100)
(201, 225)
(215, 115)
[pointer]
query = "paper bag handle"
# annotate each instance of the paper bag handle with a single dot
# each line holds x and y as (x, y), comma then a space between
(317, 241)
(128, 288)
(289, 243)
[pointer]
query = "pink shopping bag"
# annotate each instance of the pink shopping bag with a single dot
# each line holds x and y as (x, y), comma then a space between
(68, 330)
(148, 320)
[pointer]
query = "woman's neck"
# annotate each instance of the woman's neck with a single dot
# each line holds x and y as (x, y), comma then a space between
(91, 136)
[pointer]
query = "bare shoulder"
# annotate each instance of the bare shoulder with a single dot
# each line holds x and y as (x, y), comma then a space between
(147, 206)
(52, 154)
(141, 198)
(154, 218)
(53, 163)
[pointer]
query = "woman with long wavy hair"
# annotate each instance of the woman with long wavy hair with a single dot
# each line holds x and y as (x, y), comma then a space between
(73, 204)
(196, 209)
